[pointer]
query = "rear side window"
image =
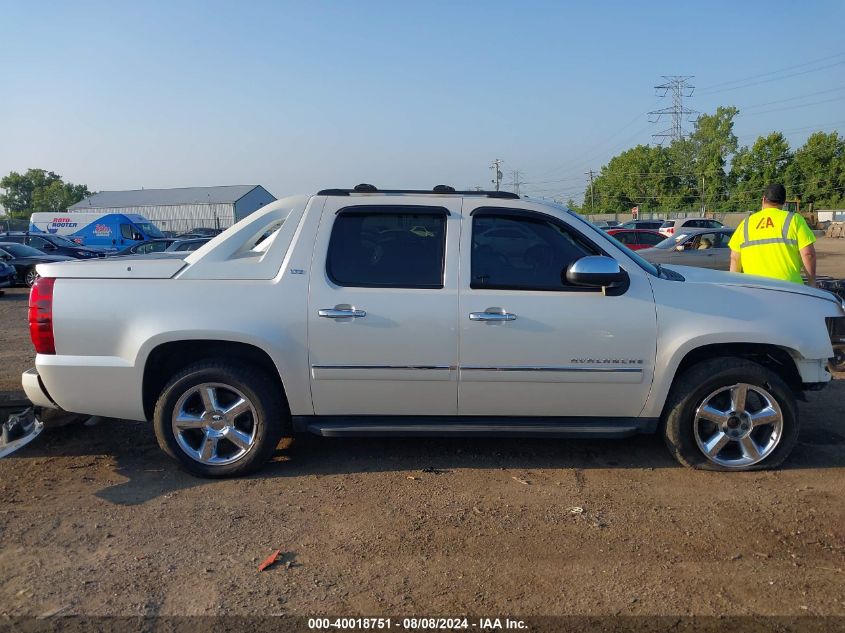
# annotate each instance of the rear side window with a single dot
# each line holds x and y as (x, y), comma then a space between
(388, 247)
(650, 238)
(668, 224)
(626, 237)
(532, 261)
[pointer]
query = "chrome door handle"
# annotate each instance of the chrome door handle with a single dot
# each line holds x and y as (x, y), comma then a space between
(492, 314)
(342, 311)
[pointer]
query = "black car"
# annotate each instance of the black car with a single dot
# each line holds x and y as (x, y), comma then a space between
(188, 245)
(24, 259)
(52, 245)
(202, 231)
(150, 246)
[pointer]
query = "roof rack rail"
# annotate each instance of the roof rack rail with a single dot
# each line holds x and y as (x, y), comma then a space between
(439, 189)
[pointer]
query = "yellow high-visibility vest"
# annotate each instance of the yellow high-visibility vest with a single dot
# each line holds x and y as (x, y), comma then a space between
(769, 244)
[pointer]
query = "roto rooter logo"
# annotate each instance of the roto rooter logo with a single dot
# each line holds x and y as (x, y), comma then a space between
(61, 223)
(102, 230)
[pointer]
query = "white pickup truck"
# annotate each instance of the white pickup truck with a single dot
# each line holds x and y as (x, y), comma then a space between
(418, 313)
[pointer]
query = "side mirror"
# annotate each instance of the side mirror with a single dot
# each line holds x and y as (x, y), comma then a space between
(595, 271)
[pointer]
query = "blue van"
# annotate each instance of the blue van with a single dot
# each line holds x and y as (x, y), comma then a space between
(110, 231)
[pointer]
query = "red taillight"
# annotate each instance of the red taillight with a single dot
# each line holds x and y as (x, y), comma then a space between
(670, 230)
(41, 315)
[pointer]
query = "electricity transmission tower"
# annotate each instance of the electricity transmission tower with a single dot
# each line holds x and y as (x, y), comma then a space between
(517, 181)
(680, 88)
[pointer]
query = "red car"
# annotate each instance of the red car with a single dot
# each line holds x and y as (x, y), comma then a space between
(635, 239)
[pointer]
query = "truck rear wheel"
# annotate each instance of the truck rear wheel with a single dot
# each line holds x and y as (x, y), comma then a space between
(731, 414)
(221, 419)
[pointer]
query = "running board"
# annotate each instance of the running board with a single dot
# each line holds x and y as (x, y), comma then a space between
(464, 426)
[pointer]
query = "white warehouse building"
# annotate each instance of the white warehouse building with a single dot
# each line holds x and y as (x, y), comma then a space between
(184, 209)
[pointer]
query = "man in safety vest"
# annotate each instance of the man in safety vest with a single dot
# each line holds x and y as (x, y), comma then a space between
(774, 243)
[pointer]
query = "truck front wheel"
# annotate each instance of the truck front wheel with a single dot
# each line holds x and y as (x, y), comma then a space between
(220, 419)
(730, 414)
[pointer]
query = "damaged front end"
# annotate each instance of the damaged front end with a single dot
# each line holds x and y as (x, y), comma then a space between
(836, 325)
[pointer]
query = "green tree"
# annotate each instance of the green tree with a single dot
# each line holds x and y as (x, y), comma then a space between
(38, 190)
(713, 141)
(816, 173)
(752, 169)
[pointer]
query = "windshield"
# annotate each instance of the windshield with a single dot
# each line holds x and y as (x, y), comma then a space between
(149, 228)
(19, 250)
(589, 228)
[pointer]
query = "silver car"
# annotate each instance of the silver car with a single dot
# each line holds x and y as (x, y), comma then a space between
(705, 248)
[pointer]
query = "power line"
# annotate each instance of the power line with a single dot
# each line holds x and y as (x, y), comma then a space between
(802, 105)
(765, 81)
(772, 72)
(804, 96)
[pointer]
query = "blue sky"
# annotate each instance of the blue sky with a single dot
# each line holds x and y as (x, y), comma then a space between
(299, 96)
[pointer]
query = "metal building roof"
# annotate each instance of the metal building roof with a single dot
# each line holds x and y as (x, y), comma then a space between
(164, 197)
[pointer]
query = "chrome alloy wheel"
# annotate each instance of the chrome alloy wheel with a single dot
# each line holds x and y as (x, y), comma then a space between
(214, 424)
(738, 425)
(30, 277)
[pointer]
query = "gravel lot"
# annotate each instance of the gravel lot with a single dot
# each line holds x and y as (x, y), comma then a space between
(96, 521)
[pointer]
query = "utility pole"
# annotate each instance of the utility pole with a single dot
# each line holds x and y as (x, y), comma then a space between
(592, 194)
(703, 206)
(515, 174)
(680, 88)
(497, 172)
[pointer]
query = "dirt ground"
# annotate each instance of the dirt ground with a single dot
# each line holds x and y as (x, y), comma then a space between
(95, 520)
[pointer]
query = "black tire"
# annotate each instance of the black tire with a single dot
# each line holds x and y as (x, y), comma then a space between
(694, 386)
(272, 421)
(29, 277)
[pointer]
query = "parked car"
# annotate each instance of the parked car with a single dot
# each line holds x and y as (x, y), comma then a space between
(142, 248)
(24, 259)
(606, 224)
(8, 275)
(205, 231)
(351, 321)
(701, 248)
(52, 245)
(671, 227)
(636, 239)
(190, 244)
(651, 225)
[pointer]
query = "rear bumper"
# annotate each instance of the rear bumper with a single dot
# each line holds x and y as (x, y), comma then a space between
(107, 386)
(35, 390)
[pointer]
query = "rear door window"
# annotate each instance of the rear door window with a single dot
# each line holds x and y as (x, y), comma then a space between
(626, 237)
(390, 247)
(650, 238)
